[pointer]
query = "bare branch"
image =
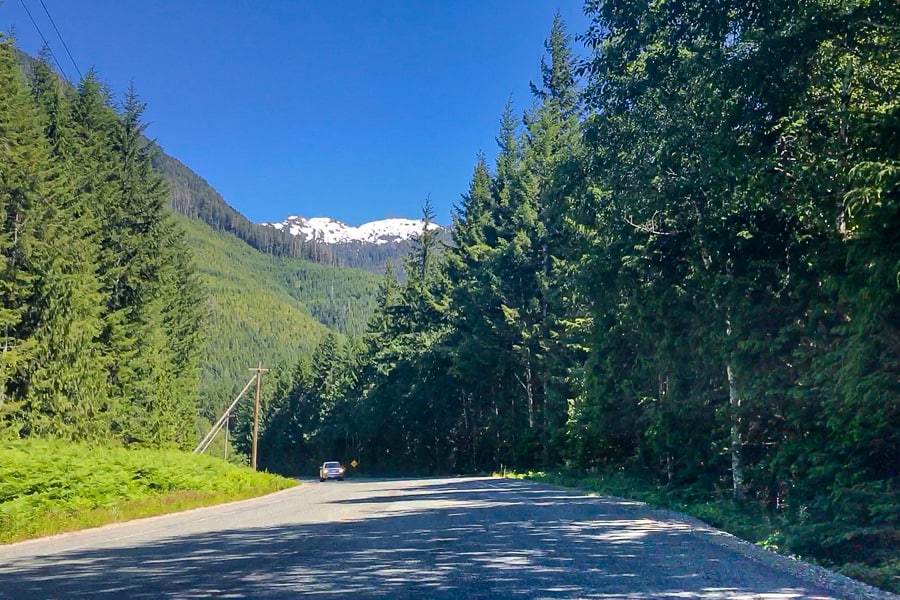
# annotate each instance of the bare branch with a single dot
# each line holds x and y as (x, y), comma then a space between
(651, 228)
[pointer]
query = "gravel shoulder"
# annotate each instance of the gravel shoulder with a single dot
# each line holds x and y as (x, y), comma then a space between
(835, 583)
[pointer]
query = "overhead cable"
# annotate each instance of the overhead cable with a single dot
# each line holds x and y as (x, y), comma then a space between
(59, 35)
(46, 44)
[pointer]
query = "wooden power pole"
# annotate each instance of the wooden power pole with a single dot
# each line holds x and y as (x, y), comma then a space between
(259, 371)
(227, 419)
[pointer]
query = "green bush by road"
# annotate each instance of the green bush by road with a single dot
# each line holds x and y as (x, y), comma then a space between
(49, 487)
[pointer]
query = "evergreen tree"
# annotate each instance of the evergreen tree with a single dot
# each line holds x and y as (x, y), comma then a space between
(23, 171)
(552, 151)
(147, 284)
(66, 386)
(477, 355)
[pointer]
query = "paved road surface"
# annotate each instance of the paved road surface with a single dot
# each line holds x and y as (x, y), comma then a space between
(426, 538)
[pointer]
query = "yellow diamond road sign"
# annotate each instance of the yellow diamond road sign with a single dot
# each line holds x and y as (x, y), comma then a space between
(353, 463)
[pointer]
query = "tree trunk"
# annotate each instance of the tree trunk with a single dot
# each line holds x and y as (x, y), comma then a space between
(737, 467)
(529, 392)
(662, 383)
(548, 428)
(549, 425)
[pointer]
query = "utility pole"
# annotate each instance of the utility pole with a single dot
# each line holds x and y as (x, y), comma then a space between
(259, 371)
(227, 418)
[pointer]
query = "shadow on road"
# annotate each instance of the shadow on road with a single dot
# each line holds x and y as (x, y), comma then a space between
(460, 539)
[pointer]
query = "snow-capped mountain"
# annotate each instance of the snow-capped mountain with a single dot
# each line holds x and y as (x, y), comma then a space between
(329, 231)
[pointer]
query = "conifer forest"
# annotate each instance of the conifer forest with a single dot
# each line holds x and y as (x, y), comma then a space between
(100, 307)
(684, 262)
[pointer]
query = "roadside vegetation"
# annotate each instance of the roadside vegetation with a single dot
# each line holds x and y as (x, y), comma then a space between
(49, 487)
(682, 263)
(751, 522)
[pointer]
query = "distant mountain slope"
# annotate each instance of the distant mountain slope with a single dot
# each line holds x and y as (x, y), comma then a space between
(263, 304)
(371, 246)
(194, 198)
(269, 309)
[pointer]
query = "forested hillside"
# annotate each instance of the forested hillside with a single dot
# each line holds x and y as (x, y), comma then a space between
(194, 198)
(684, 262)
(375, 258)
(100, 307)
(123, 320)
(265, 308)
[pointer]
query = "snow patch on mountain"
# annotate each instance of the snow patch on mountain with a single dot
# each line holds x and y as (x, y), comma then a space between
(330, 231)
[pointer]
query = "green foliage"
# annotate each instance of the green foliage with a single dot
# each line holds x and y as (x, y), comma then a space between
(50, 486)
(308, 418)
(263, 308)
(123, 321)
(687, 269)
(99, 302)
(725, 162)
(65, 389)
(886, 577)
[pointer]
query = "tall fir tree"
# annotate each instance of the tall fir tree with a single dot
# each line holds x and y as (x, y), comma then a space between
(66, 390)
(24, 167)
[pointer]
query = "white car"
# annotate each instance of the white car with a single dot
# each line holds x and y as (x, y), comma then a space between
(331, 470)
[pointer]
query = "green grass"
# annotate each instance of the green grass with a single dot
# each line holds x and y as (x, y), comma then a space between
(49, 487)
(746, 520)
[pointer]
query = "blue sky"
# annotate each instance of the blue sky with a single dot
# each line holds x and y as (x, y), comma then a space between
(355, 110)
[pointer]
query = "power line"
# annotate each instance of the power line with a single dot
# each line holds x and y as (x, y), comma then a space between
(59, 35)
(46, 44)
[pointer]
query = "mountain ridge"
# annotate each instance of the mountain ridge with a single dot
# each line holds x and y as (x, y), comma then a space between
(193, 197)
(332, 231)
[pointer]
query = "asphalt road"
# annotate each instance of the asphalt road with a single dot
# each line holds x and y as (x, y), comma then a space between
(424, 538)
